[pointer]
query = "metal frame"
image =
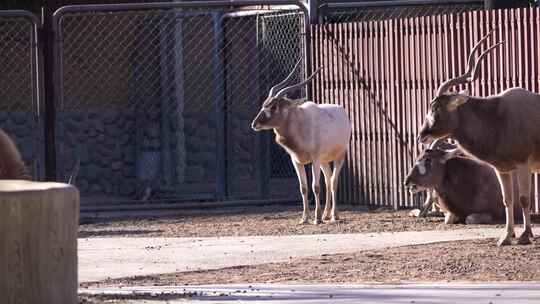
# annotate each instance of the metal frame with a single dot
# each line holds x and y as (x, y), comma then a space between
(22, 14)
(352, 4)
(329, 6)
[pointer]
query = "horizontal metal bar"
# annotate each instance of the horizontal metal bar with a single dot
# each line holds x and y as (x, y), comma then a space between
(171, 5)
(168, 5)
(338, 5)
(249, 13)
(21, 14)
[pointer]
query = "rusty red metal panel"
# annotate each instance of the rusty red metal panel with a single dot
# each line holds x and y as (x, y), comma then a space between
(351, 105)
(385, 118)
(355, 148)
(536, 62)
(519, 46)
(348, 105)
(355, 117)
(512, 49)
(400, 73)
(425, 63)
(370, 109)
(406, 99)
(377, 128)
(369, 113)
(366, 114)
(385, 73)
(525, 54)
(387, 132)
(491, 25)
(388, 120)
(419, 87)
(317, 87)
(361, 116)
(328, 61)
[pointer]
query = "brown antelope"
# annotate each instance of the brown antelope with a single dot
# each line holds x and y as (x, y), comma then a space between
(467, 190)
(310, 133)
(501, 130)
(12, 165)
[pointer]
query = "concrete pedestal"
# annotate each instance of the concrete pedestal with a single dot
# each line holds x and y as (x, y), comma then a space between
(38, 242)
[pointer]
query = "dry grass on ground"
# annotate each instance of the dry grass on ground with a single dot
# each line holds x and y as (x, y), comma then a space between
(265, 220)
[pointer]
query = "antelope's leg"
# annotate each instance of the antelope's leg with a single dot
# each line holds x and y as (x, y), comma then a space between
(316, 174)
(302, 179)
(338, 164)
(524, 181)
(505, 180)
(428, 203)
(327, 172)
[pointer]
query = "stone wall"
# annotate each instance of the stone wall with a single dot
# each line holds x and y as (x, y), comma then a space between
(123, 152)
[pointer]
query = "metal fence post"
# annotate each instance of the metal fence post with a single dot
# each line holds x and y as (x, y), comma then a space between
(313, 7)
(219, 104)
(40, 111)
(48, 41)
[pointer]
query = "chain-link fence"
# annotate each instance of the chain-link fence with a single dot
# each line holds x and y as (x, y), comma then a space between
(357, 13)
(158, 103)
(20, 109)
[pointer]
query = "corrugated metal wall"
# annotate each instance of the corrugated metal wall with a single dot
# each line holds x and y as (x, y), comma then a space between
(386, 72)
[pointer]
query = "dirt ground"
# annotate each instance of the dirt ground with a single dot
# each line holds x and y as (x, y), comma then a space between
(463, 261)
(478, 260)
(266, 220)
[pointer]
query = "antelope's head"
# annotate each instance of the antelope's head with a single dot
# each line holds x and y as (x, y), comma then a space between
(430, 167)
(442, 118)
(275, 108)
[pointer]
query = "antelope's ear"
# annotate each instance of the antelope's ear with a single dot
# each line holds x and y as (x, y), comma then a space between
(457, 100)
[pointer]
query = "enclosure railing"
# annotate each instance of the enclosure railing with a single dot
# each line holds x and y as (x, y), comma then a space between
(155, 99)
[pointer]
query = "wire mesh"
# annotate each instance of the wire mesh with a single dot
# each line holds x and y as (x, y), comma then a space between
(18, 88)
(153, 101)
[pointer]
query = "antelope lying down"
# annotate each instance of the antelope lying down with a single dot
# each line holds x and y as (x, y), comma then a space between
(310, 133)
(468, 190)
(502, 130)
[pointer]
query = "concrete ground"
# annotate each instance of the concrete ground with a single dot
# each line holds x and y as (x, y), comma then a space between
(511, 293)
(101, 258)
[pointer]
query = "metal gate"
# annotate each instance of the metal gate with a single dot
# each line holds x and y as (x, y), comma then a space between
(21, 108)
(155, 100)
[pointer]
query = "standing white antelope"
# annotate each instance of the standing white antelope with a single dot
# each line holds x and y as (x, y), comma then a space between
(501, 130)
(310, 133)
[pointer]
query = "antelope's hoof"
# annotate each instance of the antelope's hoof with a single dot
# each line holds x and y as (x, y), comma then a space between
(303, 221)
(504, 241)
(326, 216)
(525, 237)
(524, 240)
(316, 222)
